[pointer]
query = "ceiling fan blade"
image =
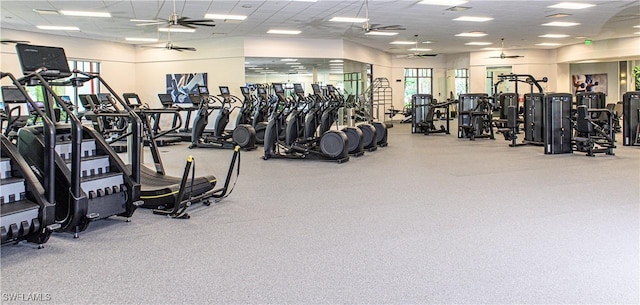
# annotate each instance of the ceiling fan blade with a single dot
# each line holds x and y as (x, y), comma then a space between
(187, 20)
(187, 25)
(183, 48)
(201, 24)
(426, 55)
(512, 56)
(6, 41)
(395, 27)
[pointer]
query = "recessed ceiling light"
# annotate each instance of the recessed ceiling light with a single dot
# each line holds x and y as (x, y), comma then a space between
(558, 15)
(553, 36)
(636, 26)
(473, 19)
(336, 60)
(225, 17)
(472, 34)
(289, 59)
(478, 43)
(284, 32)
(336, 64)
(291, 63)
(571, 5)
(46, 12)
(443, 2)
(348, 19)
(381, 33)
(86, 14)
(176, 30)
(403, 42)
(427, 41)
(58, 28)
(141, 39)
(420, 50)
(636, 33)
(563, 24)
(548, 44)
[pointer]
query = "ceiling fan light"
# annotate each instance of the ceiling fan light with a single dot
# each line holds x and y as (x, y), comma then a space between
(381, 33)
(349, 19)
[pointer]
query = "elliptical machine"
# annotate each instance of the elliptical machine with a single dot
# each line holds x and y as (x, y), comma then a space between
(332, 145)
(244, 135)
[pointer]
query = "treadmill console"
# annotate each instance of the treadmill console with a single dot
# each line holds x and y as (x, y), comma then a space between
(279, 89)
(298, 90)
(203, 90)
(224, 92)
(316, 89)
(165, 99)
(246, 93)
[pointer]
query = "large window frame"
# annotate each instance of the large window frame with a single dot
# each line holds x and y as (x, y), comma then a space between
(417, 81)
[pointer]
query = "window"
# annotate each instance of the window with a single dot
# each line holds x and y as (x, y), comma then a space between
(417, 81)
(461, 81)
(92, 87)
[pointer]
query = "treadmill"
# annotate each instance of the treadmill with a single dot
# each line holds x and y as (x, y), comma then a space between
(169, 195)
(162, 138)
(183, 133)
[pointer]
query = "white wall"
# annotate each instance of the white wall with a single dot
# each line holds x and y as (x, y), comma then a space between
(609, 68)
(117, 60)
(601, 50)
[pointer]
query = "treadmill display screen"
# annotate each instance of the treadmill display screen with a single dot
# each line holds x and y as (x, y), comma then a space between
(165, 99)
(224, 90)
(316, 89)
(297, 88)
(53, 59)
(133, 101)
(104, 98)
(262, 90)
(278, 88)
(203, 90)
(245, 90)
(12, 95)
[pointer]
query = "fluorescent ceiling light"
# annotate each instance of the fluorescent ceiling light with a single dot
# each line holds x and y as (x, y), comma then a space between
(472, 34)
(86, 14)
(553, 36)
(427, 41)
(141, 39)
(336, 60)
(292, 63)
(176, 30)
(473, 19)
(477, 43)
(636, 26)
(443, 2)
(348, 19)
(420, 50)
(289, 59)
(636, 33)
(336, 64)
(548, 44)
(225, 17)
(563, 24)
(403, 42)
(381, 33)
(571, 5)
(58, 28)
(284, 32)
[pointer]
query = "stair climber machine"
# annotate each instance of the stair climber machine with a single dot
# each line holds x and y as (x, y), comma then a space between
(509, 121)
(381, 128)
(168, 195)
(91, 181)
(285, 116)
(243, 135)
(27, 201)
(321, 116)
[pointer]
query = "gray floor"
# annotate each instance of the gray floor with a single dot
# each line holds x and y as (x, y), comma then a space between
(429, 219)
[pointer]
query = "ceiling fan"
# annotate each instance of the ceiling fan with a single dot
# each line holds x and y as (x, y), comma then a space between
(170, 46)
(502, 55)
(416, 54)
(176, 20)
(369, 27)
(8, 41)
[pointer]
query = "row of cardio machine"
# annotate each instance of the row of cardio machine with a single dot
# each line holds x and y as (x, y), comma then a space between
(306, 127)
(62, 174)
